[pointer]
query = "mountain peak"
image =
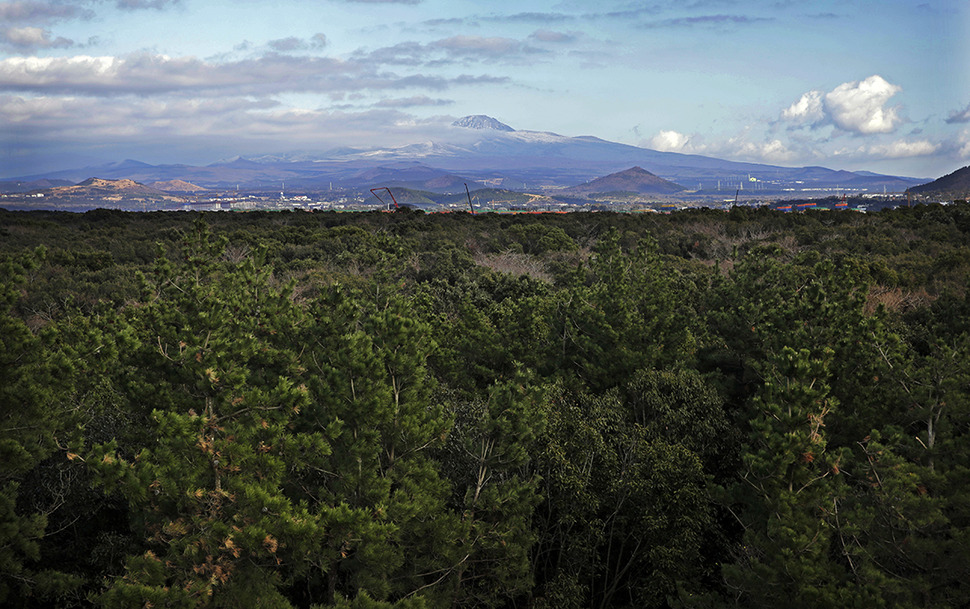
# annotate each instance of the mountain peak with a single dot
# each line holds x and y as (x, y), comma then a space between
(635, 171)
(480, 121)
(635, 179)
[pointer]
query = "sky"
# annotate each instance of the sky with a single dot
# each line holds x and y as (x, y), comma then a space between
(877, 85)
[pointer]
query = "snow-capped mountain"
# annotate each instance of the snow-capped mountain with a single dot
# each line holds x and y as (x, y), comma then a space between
(480, 121)
(482, 149)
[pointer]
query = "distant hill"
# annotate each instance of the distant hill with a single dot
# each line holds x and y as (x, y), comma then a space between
(99, 187)
(176, 186)
(407, 197)
(99, 192)
(413, 176)
(956, 184)
(633, 180)
(14, 186)
(497, 198)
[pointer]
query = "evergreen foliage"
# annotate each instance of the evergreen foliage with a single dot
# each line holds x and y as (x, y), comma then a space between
(377, 411)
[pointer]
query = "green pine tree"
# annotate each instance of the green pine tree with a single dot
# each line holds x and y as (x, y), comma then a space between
(221, 380)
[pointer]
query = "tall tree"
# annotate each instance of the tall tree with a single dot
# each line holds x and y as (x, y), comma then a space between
(216, 372)
(28, 423)
(625, 510)
(785, 497)
(489, 459)
(621, 314)
(378, 491)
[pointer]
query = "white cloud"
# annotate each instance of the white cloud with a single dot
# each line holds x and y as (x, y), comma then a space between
(56, 117)
(807, 109)
(669, 141)
(859, 106)
(151, 74)
(819, 121)
(964, 143)
(39, 72)
(855, 107)
(31, 38)
(904, 149)
(745, 146)
(217, 124)
(768, 151)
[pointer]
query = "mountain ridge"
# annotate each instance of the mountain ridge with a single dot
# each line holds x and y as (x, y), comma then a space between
(956, 183)
(481, 149)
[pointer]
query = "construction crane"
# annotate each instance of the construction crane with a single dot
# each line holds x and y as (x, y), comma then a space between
(469, 199)
(374, 192)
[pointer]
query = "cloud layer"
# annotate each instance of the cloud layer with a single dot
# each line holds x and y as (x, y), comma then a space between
(854, 107)
(31, 38)
(42, 12)
(695, 75)
(853, 121)
(151, 74)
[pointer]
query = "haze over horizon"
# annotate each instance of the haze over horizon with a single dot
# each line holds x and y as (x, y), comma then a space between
(857, 85)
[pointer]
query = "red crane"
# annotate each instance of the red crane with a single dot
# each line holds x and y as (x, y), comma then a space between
(374, 191)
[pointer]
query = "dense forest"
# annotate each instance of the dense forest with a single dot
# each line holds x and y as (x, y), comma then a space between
(588, 410)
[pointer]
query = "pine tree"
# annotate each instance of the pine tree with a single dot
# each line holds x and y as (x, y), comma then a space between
(27, 427)
(624, 510)
(216, 372)
(790, 486)
(621, 314)
(489, 460)
(37, 418)
(377, 492)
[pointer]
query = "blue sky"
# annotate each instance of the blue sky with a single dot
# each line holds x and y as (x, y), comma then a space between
(860, 85)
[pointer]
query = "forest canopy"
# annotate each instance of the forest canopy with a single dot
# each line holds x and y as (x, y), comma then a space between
(294, 409)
